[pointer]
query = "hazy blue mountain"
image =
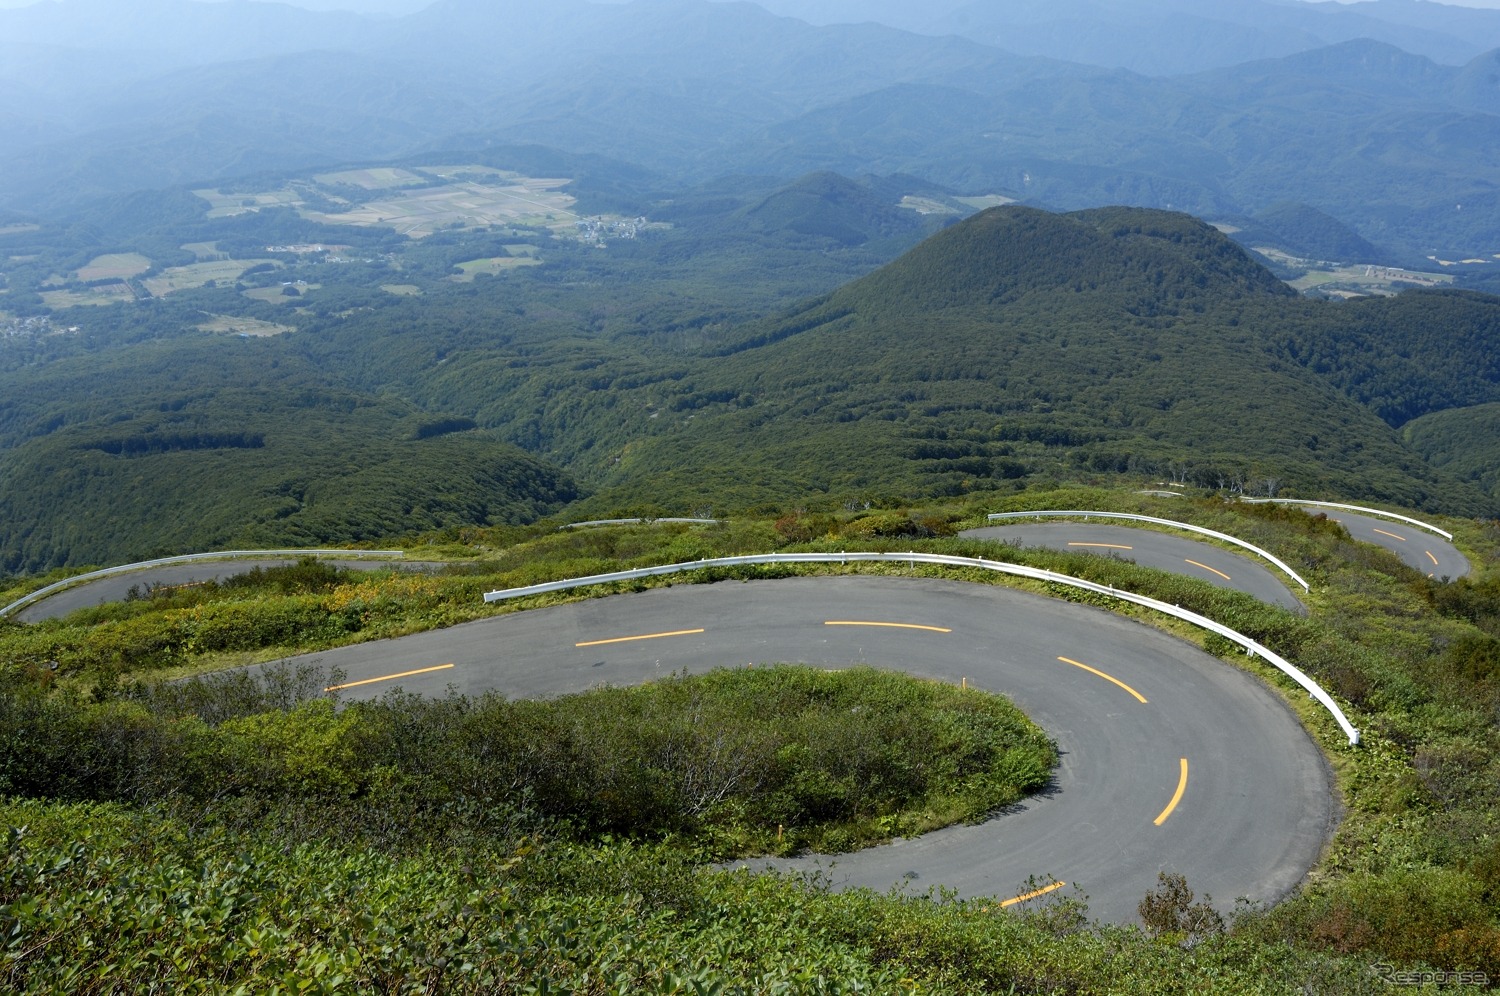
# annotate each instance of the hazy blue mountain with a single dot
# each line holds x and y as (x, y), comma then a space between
(1174, 36)
(1393, 145)
(1309, 233)
(185, 32)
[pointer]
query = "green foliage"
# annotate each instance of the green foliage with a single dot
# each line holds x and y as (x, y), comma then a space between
(429, 799)
(774, 759)
(1305, 231)
(319, 468)
(95, 899)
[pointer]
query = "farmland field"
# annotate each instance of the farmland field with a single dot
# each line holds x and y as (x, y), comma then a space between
(986, 201)
(180, 278)
(497, 264)
(119, 265)
(104, 294)
(419, 213)
(380, 178)
(231, 325)
(222, 205)
(930, 205)
(402, 290)
(204, 250)
(278, 294)
(473, 197)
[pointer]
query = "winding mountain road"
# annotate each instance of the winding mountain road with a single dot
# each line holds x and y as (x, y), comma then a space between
(1150, 548)
(1171, 759)
(116, 588)
(1418, 548)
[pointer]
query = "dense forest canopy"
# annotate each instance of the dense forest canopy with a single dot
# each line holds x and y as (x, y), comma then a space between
(723, 361)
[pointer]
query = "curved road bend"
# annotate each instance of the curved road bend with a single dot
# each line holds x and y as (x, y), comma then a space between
(1418, 548)
(1150, 548)
(1246, 815)
(116, 587)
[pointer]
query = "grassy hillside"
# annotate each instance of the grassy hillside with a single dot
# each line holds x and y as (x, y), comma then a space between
(258, 834)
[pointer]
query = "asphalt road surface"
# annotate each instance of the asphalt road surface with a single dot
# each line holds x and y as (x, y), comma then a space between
(117, 586)
(1171, 759)
(1427, 552)
(1149, 548)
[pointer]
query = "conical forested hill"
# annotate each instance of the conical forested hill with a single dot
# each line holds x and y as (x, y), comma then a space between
(1021, 343)
(1147, 262)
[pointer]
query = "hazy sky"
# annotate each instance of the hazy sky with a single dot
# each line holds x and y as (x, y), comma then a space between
(403, 6)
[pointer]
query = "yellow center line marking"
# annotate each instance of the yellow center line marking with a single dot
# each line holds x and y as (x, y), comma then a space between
(1107, 546)
(1139, 697)
(1431, 557)
(631, 639)
(888, 625)
(1032, 895)
(389, 677)
(1391, 535)
(1221, 574)
(1177, 797)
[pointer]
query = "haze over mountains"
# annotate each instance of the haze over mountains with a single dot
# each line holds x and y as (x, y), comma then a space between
(1221, 109)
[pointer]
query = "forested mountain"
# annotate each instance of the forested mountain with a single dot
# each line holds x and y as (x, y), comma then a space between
(192, 447)
(670, 373)
(1021, 343)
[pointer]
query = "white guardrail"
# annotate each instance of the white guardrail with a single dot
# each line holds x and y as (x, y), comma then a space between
(1225, 537)
(1353, 508)
(1251, 647)
(78, 579)
(636, 522)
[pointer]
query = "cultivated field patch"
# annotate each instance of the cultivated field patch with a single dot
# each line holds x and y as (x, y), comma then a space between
(377, 178)
(984, 201)
(225, 205)
(953, 205)
(415, 201)
(419, 213)
(180, 278)
(88, 296)
(234, 325)
(117, 266)
(495, 265)
(278, 294)
(1346, 280)
(205, 251)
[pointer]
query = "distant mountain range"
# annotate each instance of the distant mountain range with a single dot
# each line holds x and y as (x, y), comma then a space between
(1396, 146)
(1165, 37)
